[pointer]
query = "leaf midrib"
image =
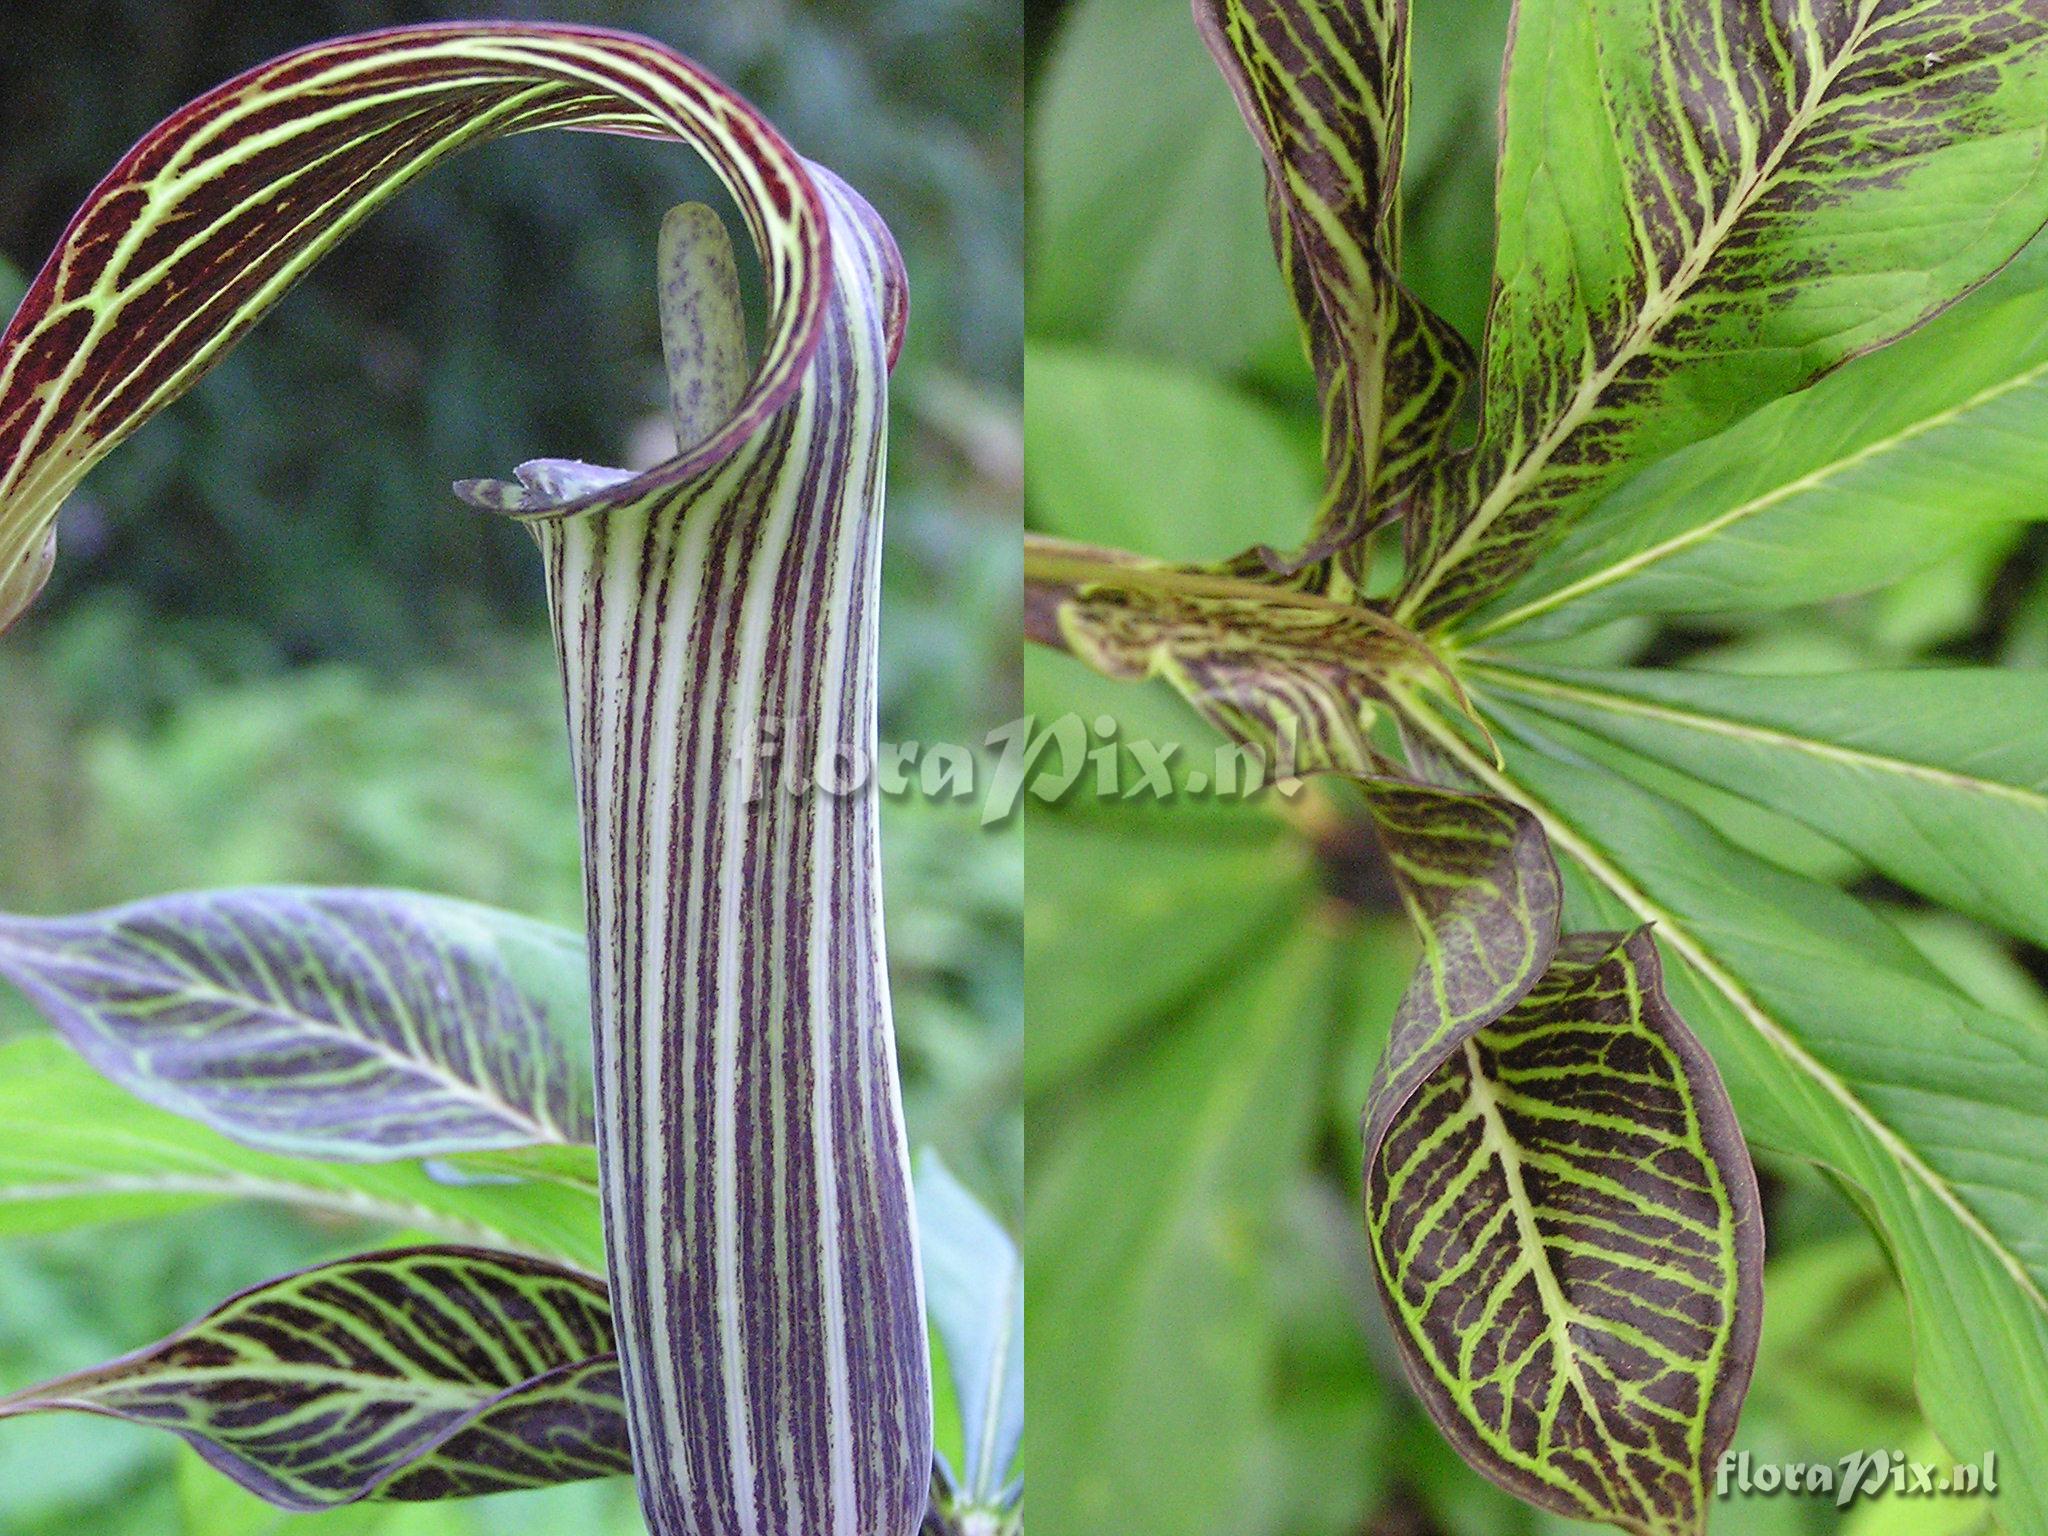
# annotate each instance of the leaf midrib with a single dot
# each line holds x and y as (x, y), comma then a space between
(1812, 480)
(1649, 320)
(1514, 680)
(1558, 1311)
(1673, 930)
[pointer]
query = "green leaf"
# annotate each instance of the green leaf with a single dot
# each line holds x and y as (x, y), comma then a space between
(417, 1374)
(1150, 1338)
(1146, 456)
(1841, 1045)
(1978, 962)
(1936, 777)
(1147, 230)
(974, 1294)
(1126, 916)
(76, 1150)
(1567, 1230)
(1704, 206)
(1323, 88)
(1888, 466)
(342, 1024)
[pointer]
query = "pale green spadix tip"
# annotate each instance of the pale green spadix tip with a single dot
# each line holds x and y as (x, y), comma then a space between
(703, 328)
(703, 343)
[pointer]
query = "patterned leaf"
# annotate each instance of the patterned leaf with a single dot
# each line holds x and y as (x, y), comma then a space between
(347, 1024)
(1622, 1428)
(1885, 467)
(1566, 1227)
(219, 209)
(1305, 677)
(422, 1373)
(1296, 673)
(1703, 206)
(1479, 1224)
(1323, 87)
(1841, 1044)
(1477, 878)
(755, 1177)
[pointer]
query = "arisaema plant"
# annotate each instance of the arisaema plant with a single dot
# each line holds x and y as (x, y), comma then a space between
(1734, 359)
(758, 1359)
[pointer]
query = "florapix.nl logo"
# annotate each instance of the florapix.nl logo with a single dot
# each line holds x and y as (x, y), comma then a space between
(1047, 759)
(1858, 1475)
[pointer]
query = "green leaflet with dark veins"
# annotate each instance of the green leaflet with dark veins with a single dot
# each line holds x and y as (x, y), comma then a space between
(1703, 206)
(1567, 1231)
(1562, 1126)
(423, 1373)
(1305, 679)
(1323, 87)
(1888, 466)
(358, 1025)
(1841, 1044)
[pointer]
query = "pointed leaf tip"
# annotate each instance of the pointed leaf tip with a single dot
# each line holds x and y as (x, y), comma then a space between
(415, 1374)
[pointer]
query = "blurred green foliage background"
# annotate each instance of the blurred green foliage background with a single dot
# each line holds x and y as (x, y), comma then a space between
(1210, 984)
(276, 648)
